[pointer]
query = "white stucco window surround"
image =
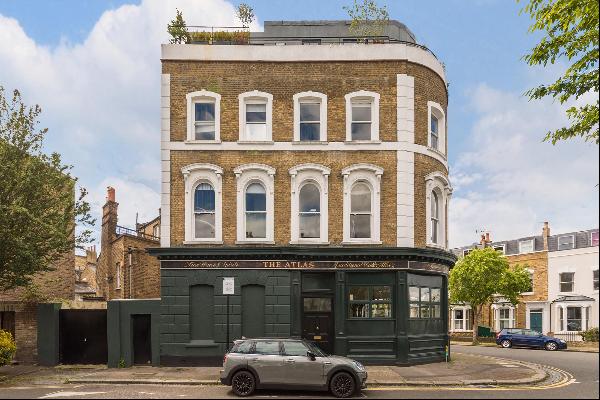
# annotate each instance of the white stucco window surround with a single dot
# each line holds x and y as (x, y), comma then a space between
(504, 316)
(362, 199)
(438, 192)
(256, 116)
(310, 117)
(306, 180)
(461, 318)
(197, 176)
(362, 116)
(255, 180)
(436, 132)
(203, 116)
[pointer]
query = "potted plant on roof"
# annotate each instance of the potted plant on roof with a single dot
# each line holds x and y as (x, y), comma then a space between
(368, 21)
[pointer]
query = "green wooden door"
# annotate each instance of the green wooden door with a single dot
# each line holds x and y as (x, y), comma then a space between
(535, 321)
(253, 311)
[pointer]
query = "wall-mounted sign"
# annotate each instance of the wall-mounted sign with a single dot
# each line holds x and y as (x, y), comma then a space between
(228, 285)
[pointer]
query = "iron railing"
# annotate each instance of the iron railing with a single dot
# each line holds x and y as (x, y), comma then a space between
(121, 230)
(572, 336)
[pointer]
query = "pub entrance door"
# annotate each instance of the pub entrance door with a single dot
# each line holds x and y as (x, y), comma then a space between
(318, 322)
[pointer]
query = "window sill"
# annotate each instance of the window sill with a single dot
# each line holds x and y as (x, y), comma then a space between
(310, 142)
(439, 153)
(352, 242)
(202, 141)
(256, 142)
(436, 246)
(527, 293)
(362, 141)
(254, 242)
(202, 242)
(314, 242)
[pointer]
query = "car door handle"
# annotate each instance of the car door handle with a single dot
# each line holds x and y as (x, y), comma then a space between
(290, 361)
(326, 363)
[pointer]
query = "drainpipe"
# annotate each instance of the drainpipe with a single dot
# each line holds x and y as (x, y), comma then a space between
(129, 251)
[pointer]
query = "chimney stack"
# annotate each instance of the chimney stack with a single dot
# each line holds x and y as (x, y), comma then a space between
(110, 194)
(546, 235)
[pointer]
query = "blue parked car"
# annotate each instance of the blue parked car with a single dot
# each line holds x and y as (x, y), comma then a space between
(509, 337)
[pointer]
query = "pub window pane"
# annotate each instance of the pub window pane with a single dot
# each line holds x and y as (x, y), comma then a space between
(425, 295)
(435, 311)
(414, 311)
(317, 304)
(436, 295)
(370, 302)
(359, 293)
(425, 303)
(413, 293)
(381, 293)
(359, 310)
(424, 311)
(383, 310)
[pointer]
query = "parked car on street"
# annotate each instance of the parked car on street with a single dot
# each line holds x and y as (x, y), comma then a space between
(509, 337)
(276, 363)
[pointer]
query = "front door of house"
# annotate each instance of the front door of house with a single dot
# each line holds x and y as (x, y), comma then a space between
(317, 322)
(535, 320)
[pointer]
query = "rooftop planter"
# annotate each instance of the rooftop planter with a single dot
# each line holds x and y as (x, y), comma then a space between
(220, 37)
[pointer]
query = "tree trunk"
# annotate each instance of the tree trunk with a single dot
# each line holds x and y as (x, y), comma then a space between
(476, 312)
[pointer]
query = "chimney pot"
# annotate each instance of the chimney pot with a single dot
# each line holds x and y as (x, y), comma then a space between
(110, 194)
(487, 237)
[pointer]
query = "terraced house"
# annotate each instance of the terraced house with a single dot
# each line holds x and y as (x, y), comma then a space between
(305, 173)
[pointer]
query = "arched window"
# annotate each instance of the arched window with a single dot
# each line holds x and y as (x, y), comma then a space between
(435, 217)
(310, 211)
(360, 211)
(256, 211)
(437, 127)
(204, 211)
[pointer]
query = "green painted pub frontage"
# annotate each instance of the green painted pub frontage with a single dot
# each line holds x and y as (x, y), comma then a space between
(376, 305)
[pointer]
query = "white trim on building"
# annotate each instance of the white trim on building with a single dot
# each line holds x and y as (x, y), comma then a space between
(438, 182)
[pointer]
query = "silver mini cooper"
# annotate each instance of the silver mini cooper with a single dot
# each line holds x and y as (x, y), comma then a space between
(289, 364)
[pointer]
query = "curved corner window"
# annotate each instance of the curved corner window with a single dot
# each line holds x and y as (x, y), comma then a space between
(204, 211)
(438, 192)
(203, 116)
(362, 116)
(256, 211)
(310, 117)
(435, 217)
(437, 127)
(255, 115)
(310, 211)
(360, 211)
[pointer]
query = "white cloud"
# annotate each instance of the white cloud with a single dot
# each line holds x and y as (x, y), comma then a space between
(101, 98)
(509, 181)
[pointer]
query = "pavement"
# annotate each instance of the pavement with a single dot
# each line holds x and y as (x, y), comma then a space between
(572, 346)
(463, 370)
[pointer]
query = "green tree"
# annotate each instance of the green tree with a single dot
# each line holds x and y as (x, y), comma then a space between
(38, 207)
(367, 18)
(570, 32)
(245, 14)
(178, 29)
(480, 275)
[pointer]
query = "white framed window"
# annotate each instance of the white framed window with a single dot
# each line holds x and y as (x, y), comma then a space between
(310, 117)
(362, 197)
(255, 116)
(309, 208)
(203, 116)
(362, 116)
(203, 203)
(566, 242)
(461, 319)
(526, 246)
(567, 282)
(438, 190)
(594, 238)
(500, 248)
(505, 318)
(255, 203)
(596, 281)
(156, 231)
(436, 127)
(465, 252)
(118, 276)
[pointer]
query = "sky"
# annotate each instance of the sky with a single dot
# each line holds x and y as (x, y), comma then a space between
(94, 68)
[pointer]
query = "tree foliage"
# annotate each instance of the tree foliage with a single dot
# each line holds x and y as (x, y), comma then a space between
(483, 274)
(8, 347)
(177, 28)
(570, 29)
(38, 207)
(245, 14)
(367, 18)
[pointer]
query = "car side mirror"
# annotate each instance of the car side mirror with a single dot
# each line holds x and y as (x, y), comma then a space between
(311, 355)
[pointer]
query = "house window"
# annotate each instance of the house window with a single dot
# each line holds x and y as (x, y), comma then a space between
(310, 117)
(118, 276)
(255, 116)
(255, 202)
(310, 211)
(204, 211)
(566, 242)
(595, 279)
(530, 288)
(566, 281)
(156, 231)
(360, 211)
(526, 246)
(573, 318)
(203, 116)
(362, 203)
(466, 252)
(437, 127)
(362, 116)
(203, 205)
(500, 249)
(435, 217)
(594, 238)
(424, 302)
(256, 211)
(370, 301)
(462, 319)
(504, 318)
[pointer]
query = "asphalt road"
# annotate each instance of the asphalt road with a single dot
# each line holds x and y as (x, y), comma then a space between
(581, 381)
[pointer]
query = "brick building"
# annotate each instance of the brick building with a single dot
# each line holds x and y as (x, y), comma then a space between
(311, 168)
(553, 261)
(124, 269)
(85, 274)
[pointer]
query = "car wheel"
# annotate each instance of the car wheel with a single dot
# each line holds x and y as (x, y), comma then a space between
(551, 346)
(506, 343)
(243, 383)
(342, 385)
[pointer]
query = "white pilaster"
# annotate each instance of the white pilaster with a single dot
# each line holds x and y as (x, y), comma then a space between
(405, 113)
(405, 199)
(165, 160)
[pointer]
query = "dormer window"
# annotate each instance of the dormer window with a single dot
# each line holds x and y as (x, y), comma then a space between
(362, 116)
(310, 117)
(255, 116)
(203, 116)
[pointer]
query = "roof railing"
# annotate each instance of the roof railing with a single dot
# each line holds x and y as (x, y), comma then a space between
(121, 230)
